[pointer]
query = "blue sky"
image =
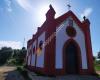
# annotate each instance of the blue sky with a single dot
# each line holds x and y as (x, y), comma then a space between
(19, 19)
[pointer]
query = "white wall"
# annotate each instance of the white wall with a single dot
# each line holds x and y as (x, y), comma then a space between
(40, 58)
(29, 55)
(33, 54)
(80, 39)
(62, 37)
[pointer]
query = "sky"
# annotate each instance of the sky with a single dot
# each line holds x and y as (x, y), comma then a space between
(19, 19)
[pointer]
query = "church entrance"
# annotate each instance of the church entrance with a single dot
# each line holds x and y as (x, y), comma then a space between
(71, 58)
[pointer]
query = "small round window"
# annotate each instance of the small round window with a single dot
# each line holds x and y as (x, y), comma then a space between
(71, 31)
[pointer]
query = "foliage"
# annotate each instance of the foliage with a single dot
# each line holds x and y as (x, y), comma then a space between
(12, 56)
(19, 56)
(97, 67)
(99, 55)
(5, 54)
(97, 62)
(94, 58)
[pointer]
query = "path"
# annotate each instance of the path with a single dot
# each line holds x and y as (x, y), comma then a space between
(9, 73)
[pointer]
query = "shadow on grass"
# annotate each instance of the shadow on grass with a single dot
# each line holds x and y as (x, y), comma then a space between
(23, 72)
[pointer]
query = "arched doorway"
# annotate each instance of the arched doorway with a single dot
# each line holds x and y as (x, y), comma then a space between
(71, 58)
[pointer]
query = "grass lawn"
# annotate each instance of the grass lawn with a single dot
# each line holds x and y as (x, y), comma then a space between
(97, 67)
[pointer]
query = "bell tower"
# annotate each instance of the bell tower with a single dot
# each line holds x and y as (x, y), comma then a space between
(50, 13)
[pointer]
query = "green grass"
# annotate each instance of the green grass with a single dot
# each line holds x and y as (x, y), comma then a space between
(97, 67)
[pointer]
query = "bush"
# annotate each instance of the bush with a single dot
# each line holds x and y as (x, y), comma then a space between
(97, 62)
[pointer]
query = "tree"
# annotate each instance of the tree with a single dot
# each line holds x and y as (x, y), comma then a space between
(94, 58)
(99, 55)
(22, 55)
(5, 54)
(19, 55)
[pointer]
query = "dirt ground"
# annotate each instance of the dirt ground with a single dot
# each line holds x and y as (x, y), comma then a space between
(98, 72)
(4, 70)
(9, 73)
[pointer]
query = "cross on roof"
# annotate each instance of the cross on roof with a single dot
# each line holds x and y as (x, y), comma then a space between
(69, 6)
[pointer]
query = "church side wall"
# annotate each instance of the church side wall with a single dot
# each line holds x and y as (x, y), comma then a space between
(40, 57)
(33, 54)
(29, 56)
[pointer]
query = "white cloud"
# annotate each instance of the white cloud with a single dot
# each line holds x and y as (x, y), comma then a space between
(12, 44)
(8, 5)
(86, 12)
(9, 9)
(25, 4)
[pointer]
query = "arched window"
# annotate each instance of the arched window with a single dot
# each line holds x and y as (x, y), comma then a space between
(33, 49)
(40, 44)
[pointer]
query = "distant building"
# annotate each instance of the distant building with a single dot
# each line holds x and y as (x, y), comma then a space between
(61, 46)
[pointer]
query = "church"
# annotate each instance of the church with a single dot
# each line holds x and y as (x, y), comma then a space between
(61, 46)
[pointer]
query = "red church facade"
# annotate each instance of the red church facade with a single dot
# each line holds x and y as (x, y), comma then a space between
(61, 46)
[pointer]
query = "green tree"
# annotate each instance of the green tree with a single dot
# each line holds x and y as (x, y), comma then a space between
(5, 54)
(94, 58)
(19, 55)
(99, 55)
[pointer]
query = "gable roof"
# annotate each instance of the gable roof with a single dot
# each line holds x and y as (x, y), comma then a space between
(60, 19)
